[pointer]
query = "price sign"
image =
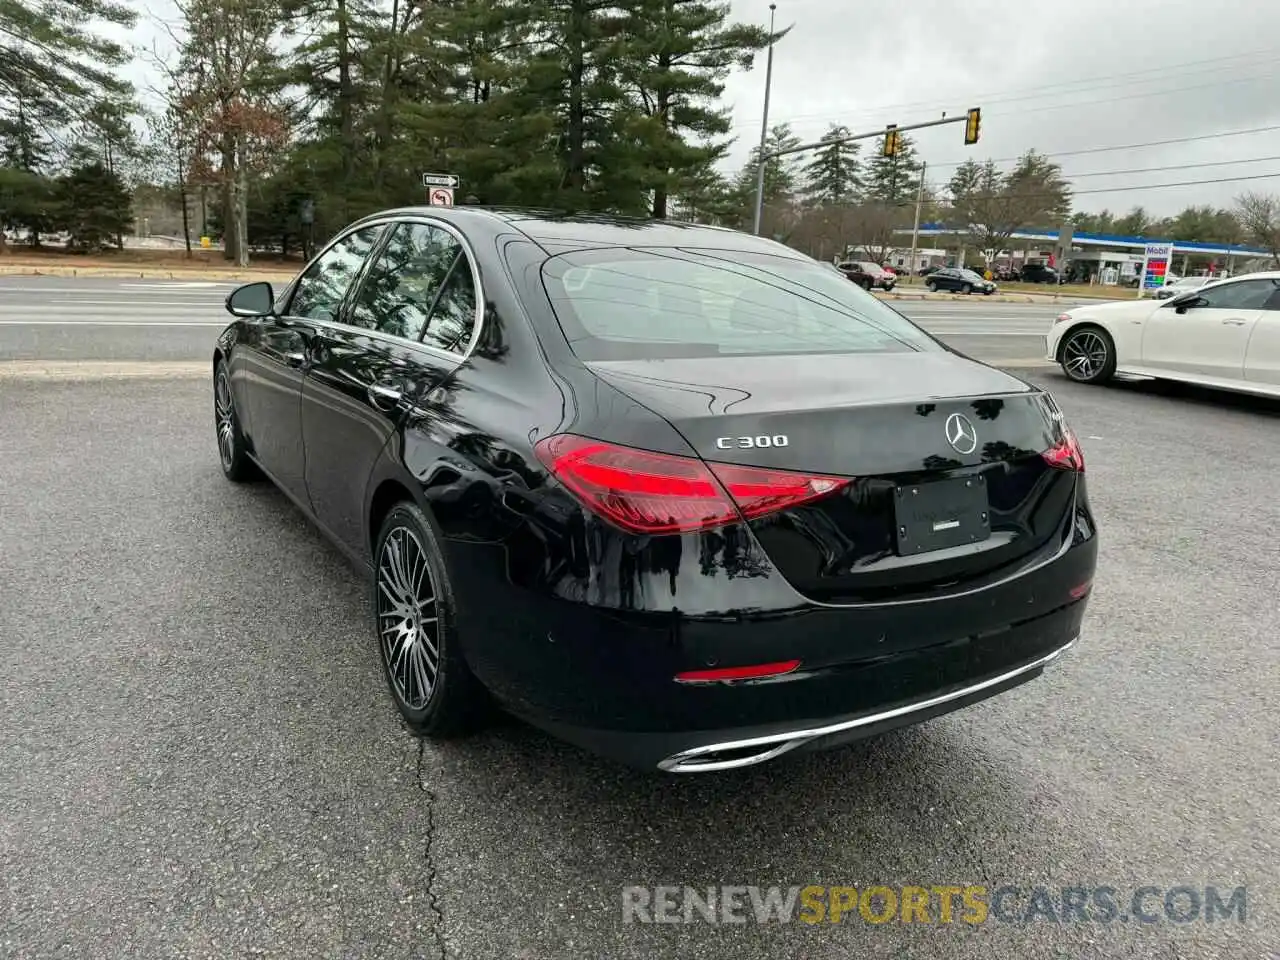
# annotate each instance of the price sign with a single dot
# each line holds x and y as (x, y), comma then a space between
(1155, 266)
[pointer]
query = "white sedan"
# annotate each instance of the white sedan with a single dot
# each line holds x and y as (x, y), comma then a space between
(1225, 334)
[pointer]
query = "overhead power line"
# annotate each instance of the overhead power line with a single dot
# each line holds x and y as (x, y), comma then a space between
(1172, 166)
(1058, 89)
(1145, 144)
(1136, 188)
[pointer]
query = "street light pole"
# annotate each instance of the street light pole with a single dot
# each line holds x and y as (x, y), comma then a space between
(915, 229)
(764, 126)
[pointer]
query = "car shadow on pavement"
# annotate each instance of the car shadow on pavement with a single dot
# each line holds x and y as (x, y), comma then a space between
(1055, 381)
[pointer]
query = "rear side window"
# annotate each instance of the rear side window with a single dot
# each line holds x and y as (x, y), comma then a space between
(621, 304)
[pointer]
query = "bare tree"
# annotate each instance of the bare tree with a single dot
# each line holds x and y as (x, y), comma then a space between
(991, 206)
(874, 227)
(229, 52)
(1259, 216)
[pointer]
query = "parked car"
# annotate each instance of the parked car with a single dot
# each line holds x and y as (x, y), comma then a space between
(1039, 273)
(1184, 285)
(502, 419)
(1224, 334)
(867, 274)
(959, 280)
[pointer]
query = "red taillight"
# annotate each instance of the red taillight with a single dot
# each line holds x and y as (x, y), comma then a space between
(655, 493)
(1066, 453)
(757, 671)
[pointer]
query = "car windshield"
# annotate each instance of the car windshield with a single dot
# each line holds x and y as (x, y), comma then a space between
(623, 304)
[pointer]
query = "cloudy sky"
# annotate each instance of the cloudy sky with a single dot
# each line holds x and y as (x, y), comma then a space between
(1063, 79)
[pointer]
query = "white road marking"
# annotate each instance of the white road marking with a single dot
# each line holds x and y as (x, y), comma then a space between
(101, 369)
(170, 284)
(121, 303)
(113, 323)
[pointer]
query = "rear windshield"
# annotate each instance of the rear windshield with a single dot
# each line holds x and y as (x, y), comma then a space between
(624, 304)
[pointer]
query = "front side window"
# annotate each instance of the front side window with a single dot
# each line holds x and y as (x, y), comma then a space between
(320, 291)
(621, 304)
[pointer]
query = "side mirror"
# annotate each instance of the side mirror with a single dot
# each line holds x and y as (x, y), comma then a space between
(1183, 301)
(252, 300)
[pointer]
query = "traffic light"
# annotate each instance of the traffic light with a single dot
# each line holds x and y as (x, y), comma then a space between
(971, 125)
(891, 140)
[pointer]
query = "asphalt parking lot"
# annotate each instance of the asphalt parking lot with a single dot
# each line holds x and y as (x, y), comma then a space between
(198, 757)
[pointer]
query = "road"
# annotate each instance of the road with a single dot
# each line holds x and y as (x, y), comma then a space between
(198, 757)
(66, 319)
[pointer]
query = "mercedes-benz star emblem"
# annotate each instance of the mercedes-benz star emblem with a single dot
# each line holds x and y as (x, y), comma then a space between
(961, 434)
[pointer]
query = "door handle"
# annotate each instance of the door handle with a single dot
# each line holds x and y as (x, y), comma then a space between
(1235, 322)
(295, 358)
(383, 396)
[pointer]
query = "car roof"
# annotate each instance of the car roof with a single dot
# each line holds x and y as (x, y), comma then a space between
(583, 230)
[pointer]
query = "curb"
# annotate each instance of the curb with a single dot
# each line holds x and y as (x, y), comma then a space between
(994, 298)
(46, 370)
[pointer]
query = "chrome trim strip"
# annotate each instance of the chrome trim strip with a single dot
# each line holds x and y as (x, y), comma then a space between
(776, 744)
(383, 220)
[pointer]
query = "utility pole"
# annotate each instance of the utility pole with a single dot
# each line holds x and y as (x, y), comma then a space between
(764, 126)
(915, 229)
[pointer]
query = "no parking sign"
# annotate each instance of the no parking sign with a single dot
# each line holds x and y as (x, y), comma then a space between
(440, 187)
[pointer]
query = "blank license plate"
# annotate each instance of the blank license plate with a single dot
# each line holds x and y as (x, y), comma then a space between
(941, 513)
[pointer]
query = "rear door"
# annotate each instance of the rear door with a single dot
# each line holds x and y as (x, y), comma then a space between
(1207, 337)
(276, 351)
(1262, 356)
(405, 330)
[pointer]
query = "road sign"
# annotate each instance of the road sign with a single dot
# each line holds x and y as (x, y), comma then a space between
(441, 180)
(441, 197)
(1155, 265)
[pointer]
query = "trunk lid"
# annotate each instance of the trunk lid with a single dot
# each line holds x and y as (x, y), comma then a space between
(923, 513)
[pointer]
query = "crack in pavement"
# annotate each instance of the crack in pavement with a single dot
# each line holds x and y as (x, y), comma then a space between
(433, 901)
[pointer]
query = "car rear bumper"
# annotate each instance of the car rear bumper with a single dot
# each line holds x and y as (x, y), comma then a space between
(605, 679)
(835, 707)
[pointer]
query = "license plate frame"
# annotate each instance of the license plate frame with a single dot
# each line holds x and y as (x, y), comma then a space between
(941, 514)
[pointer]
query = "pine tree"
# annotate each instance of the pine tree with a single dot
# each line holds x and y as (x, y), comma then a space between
(677, 56)
(893, 180)
(52, 66)
(781, 176)
(834, 175)
(93, 206)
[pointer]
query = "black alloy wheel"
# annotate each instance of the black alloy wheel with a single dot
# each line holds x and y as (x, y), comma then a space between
(232, 452)
(413, 608)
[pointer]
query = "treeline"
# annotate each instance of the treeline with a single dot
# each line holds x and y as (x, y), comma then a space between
(289, 118)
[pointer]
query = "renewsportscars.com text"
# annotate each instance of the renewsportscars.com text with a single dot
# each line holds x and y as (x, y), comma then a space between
(937, 904)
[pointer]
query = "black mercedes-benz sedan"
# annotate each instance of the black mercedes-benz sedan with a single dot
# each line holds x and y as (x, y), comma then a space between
(678, 495)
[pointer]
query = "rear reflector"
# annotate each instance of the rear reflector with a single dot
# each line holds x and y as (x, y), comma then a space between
(656, 493)
(759, 671)
(1082, 590)
(1066, 453)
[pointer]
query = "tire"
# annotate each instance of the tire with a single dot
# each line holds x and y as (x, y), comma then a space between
(233, 453)
(987, 293)
(932, 287)
(866, 285)
(1087, 354)
(408, 569)
(967, 289)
